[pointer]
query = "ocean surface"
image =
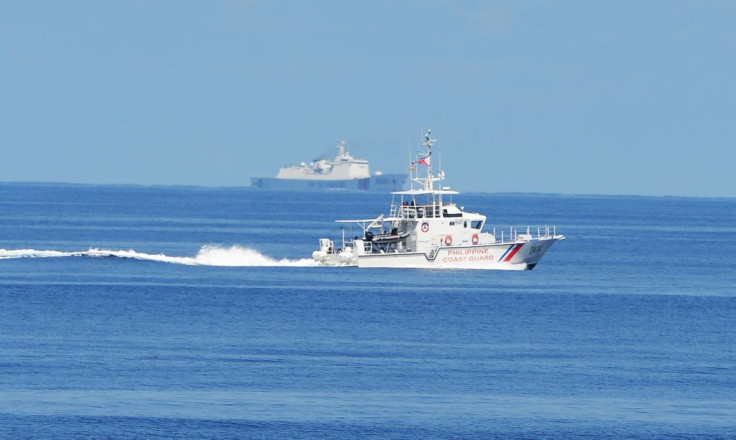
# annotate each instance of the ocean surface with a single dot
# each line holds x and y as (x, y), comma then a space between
(185, 312)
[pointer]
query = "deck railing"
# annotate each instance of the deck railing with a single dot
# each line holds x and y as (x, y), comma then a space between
(502, 235)
(510, 234)
(415, 211)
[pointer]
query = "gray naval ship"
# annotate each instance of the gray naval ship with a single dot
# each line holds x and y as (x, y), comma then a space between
(342, 173)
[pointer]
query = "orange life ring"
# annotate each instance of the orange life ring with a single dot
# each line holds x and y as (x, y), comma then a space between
(448, 240)
(474, 239)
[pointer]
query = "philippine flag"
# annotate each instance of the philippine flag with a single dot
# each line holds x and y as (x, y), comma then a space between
(425, 161)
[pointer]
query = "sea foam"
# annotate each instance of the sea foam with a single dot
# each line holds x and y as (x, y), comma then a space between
(209, 255)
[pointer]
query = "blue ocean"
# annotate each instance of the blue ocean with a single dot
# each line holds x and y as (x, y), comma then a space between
(188, 312)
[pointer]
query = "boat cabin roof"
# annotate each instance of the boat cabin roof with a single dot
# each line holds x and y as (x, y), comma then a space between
(416, 192)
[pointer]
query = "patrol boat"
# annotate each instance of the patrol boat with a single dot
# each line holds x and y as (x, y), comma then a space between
(426, 229)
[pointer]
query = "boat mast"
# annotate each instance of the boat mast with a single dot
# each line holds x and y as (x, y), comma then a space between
(431, 179)
(428, 142)
(424, 158)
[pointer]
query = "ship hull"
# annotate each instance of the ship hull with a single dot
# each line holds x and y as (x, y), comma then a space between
(522, 255)
(384, 182)
(508, 256)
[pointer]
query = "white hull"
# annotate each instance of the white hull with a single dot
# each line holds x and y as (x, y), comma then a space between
(383, 182)
(520, 255)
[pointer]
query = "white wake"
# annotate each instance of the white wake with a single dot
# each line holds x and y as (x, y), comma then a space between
(234, 256)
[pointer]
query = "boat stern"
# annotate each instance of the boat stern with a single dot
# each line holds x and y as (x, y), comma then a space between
(328, 255)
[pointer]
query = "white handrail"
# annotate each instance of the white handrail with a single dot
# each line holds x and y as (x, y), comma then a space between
(510, 234)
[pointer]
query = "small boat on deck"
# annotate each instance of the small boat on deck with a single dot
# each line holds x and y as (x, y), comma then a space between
(426, 229)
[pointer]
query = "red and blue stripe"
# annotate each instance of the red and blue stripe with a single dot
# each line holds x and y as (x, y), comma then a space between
(510, 252)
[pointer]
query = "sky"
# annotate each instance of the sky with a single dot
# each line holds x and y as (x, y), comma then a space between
(572, 97)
